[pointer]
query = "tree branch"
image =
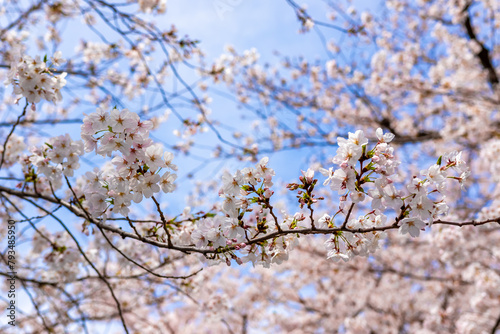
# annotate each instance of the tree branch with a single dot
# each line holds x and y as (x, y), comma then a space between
(484, 54)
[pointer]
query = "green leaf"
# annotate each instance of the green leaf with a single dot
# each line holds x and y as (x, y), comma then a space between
(439, 160)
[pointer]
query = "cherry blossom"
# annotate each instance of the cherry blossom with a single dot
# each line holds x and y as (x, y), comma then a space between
(34, 78)
(310, 190)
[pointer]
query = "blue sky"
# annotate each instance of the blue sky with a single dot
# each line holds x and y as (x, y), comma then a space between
(263, 24)
(268, 26)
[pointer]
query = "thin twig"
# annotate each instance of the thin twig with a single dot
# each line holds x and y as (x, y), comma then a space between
(12, 131)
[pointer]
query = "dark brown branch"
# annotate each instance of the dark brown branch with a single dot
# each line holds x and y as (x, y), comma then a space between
(43, 121)
(164, 222)
(140, 265)
(497, 326)
(484, 54)
(187, 249)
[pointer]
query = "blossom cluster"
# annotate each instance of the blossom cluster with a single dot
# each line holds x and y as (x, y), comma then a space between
(34, 79)
(246, 194)
(57, 157)
(346, 245)
(63, 261)
(249, 180)
(359, 168)
(139, 162)
(63, 264)
(490, 152)
(15, 146)
(364, 177)
(419, 205)
(148, 6)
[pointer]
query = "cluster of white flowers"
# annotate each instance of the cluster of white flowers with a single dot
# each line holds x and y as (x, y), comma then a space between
(363, 176)
(63, 264)
(490, 151)
(214, 231)
(421, 207)
(58, 156)
(236, 187)
(149, 6)
(15, 146)
(346, 245)
(246, 191)
(34, 78)
(95, 53)
(359, 168)
(138, 168)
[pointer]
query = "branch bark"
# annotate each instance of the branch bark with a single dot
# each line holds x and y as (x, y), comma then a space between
(484, 54)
